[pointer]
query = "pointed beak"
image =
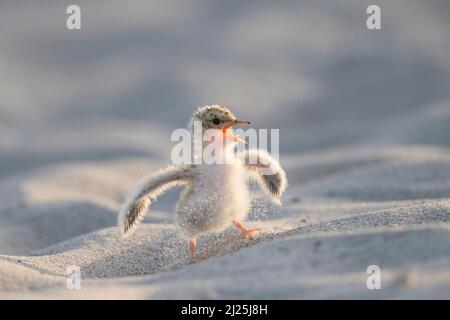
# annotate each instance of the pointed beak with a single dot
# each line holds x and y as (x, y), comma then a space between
(236, 122)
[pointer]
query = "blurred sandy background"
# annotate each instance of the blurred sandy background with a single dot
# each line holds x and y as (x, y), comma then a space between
(364, 119)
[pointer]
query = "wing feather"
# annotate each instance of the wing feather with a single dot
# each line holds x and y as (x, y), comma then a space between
(267, 172)
(150, 187)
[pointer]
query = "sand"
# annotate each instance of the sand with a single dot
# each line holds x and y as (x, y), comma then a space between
(364, 138)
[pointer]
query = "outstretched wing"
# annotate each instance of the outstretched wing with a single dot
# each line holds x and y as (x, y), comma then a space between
(267, 172)
(148, 190)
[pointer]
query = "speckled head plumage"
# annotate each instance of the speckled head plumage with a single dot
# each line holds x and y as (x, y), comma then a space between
(216, 117)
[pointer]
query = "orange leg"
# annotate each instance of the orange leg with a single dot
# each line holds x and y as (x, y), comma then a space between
(193, 247)
(247, 233)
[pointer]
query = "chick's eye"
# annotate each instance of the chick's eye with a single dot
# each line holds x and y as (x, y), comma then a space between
(216, 121)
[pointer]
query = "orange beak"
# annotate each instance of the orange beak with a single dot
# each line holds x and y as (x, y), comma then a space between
(228, 133)
(242, 122)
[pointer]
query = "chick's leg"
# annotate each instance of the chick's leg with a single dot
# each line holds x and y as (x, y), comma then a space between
(247, 233)
(193, 247)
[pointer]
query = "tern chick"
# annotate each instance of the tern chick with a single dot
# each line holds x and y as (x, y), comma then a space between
(215, 196)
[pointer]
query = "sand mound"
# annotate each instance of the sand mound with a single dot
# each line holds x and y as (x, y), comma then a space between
(14, 277)
(332, 265)
(30, 228)
(317, 236)
(159, 248)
